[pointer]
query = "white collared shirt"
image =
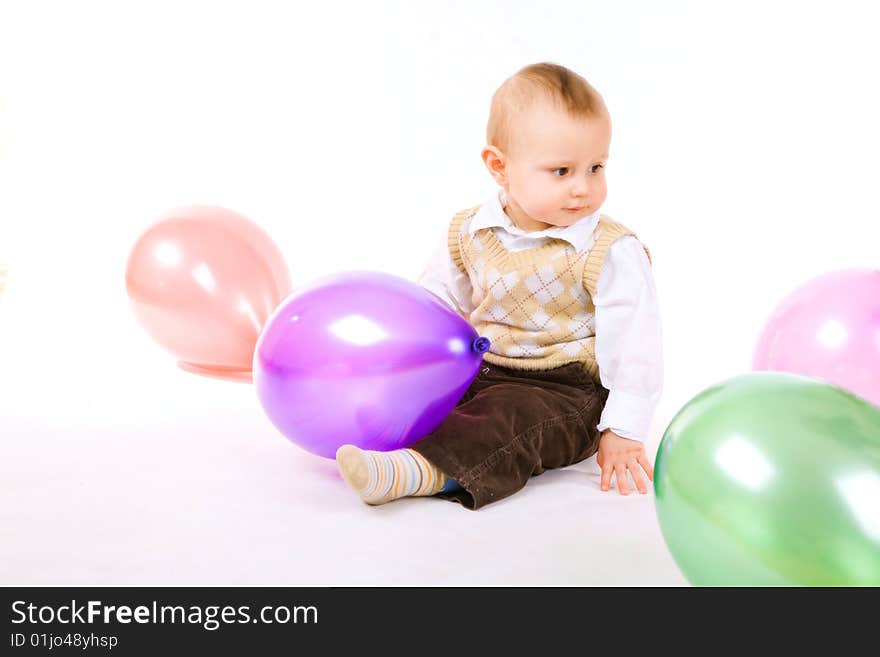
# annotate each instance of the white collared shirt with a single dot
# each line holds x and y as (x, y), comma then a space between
(629, 349)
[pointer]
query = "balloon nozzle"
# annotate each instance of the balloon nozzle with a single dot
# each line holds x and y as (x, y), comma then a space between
(481, 345)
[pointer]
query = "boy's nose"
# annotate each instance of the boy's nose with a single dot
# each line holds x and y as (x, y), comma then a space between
(579, 190)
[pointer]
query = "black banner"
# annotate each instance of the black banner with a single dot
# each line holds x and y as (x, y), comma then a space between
(134, 621)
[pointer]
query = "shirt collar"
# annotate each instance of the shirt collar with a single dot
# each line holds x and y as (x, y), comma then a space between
(491, 215)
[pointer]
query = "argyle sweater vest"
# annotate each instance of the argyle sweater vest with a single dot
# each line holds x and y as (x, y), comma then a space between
(535, 305)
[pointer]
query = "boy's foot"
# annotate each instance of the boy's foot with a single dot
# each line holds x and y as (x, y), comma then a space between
(380, 477)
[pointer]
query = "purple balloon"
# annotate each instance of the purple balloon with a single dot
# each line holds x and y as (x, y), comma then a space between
(829, 329)
(364, 358)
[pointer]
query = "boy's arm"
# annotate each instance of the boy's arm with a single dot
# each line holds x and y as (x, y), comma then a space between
(629, 348)
(442, 277)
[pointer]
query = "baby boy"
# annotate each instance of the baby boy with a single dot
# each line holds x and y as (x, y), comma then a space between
(565, 294)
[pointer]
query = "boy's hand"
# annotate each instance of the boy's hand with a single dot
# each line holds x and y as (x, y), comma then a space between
(616, 455)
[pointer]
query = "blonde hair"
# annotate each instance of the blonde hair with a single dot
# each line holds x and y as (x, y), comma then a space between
(545, 81)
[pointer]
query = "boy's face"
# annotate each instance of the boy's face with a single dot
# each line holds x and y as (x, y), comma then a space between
(554, 170)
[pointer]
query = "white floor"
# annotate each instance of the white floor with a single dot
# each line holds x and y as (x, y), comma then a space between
(107, 481)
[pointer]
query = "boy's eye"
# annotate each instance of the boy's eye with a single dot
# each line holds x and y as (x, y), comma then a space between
(562, 171)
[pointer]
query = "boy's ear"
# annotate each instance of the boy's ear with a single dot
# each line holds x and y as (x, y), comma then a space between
(495, 162)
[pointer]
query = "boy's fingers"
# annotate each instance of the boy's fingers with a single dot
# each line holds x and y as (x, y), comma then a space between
(605, 484)
(636, 473)
(622, 483)
(646, 464)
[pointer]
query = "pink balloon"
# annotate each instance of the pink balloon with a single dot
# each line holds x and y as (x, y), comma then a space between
(829, 328)
(203, 282)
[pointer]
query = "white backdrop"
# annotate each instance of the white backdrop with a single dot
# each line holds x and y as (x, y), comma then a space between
(744, 155)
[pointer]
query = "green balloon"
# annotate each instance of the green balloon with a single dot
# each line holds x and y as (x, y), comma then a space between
(772, 479)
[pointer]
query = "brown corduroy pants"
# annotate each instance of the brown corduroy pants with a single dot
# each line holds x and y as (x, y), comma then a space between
(511, 425)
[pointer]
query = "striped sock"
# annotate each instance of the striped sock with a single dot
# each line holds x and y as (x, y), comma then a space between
(380, 477)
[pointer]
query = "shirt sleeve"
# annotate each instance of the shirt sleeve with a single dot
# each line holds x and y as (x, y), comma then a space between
(629, 341)
(442, 277)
